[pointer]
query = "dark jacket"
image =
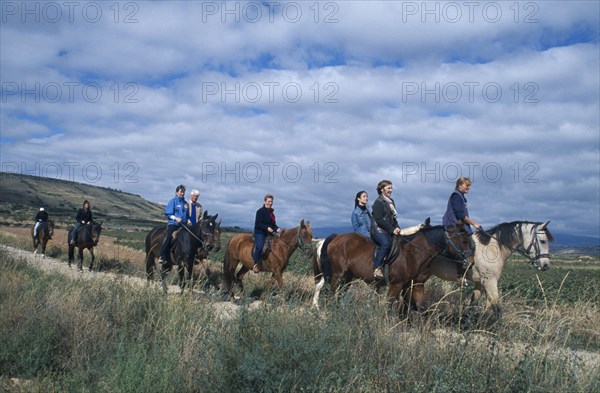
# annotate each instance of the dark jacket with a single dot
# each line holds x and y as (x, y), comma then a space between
(84, 215)
(383, 215)
(456, 210)
(41, 216)
(265, 218)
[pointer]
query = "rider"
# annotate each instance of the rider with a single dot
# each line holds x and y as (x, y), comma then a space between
(264, 225)
(177, 212)
(361, 217)
(386, 224)
(41, 216)
(457, 206)
(194, 207)
(84, 216)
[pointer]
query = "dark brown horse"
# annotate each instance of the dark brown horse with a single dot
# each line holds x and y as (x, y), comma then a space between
(239, 250)
(192, 245)
(87, 237)
(342, 258)
(44, 233)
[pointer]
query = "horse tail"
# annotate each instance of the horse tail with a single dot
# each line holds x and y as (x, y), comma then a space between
(324, 259)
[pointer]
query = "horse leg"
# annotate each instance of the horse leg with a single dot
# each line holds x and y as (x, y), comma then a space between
(396, 301)
(240, 275)
(164, 271)
(418, 296)
(318, 287)
(92, 260)
(491, 288)
(276, 277)
(181, 275)
(476, 294)
(190, 274)
(150, 266)
(44, 248)
(80, 259)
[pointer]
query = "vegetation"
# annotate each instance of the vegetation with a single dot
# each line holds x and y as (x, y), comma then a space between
(59, 334)
(77, 335)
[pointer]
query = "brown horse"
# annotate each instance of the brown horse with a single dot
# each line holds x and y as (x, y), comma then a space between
(44, 233)
(342, 258)
(88, 236)
(239, 250)
(191, 246)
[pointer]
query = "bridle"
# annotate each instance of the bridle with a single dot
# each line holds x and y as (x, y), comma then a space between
(535, 245)
(305, 248)
(462, 255)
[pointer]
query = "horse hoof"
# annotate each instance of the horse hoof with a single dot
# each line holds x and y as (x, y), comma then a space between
(80, 270)
(34, 252)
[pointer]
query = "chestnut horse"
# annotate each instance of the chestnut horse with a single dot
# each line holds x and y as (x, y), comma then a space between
(350, 256)
(492, 249)
(44, 233)
(192, 243)
(239, 250)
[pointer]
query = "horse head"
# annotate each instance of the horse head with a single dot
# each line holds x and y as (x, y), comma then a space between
(95, 232)
(459, 243)
(211, 232)
(536, 242)
(304, 239)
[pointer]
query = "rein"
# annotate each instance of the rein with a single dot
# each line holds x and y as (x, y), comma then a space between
(534, 244)
(304, 247)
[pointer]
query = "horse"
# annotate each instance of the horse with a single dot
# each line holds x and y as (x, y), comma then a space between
(192, 243)
(44, 233)
(492, 249)
(350, 256)
(239, 250)
(87, 237)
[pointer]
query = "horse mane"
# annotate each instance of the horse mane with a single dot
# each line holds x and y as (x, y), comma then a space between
(508, 233)
(433, 234)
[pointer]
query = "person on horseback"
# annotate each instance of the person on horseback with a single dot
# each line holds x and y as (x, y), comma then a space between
(178, 213)
(457, 206)
(264, 225)
(84, 216)
(457, 210)
(385, 224)
(194, 207)
(41, 216)
(361, 217)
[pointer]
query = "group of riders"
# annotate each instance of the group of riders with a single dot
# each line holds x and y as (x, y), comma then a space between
(380, 225)
(84, 216)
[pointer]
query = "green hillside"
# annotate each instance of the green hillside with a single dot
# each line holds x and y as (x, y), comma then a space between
(22, 195)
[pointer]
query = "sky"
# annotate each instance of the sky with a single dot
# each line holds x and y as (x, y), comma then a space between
(312, 101)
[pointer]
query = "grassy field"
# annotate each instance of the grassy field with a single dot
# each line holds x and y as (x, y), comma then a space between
(58, 334)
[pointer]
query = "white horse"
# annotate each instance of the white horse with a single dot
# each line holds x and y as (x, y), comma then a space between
(492, 249)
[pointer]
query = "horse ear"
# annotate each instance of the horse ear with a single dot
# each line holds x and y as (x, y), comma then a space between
(544, 225)
(205, 214)
(302, 223)
(215, 217)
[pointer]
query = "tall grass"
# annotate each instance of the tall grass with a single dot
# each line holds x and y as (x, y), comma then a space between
(79, 335)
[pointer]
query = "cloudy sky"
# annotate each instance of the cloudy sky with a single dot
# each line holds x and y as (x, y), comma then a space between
(312, 101)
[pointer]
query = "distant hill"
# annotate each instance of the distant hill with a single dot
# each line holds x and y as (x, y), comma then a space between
(22, 195)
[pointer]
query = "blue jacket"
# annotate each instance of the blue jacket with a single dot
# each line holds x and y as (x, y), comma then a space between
(456, 210)
(361, 221)
(177, 207)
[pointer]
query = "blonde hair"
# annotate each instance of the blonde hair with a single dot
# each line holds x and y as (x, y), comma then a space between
(463, 180)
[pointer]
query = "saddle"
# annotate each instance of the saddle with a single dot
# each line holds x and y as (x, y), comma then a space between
(267, 247)
(394, 250)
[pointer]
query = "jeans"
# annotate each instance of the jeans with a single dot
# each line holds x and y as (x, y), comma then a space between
(166, 246)
(74, 235)
(35, 228)
(259, 242)
(384, 244)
